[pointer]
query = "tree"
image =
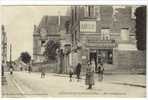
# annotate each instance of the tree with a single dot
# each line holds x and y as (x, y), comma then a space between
(25, 57)
(50, 50)
(141, 27)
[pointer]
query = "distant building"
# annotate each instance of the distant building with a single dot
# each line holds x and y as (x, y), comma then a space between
(104, 32)
(49, 28)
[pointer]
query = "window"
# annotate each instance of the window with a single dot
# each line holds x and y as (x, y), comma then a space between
(72, 16)
(105, 34)
(97, 12)
(85, 11)
(42, 42)
(89, 11)
(124, 34)
(43, 32)
(115, 11)
(75, 13)
(133, 9)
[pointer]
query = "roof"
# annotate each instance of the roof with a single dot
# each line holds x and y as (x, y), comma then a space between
(50, 24)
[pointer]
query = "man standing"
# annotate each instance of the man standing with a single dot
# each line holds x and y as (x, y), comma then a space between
(78, 71)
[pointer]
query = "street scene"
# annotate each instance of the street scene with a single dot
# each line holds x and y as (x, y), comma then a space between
(73, 51)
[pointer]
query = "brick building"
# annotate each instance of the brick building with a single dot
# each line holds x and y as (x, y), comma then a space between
(104, 32)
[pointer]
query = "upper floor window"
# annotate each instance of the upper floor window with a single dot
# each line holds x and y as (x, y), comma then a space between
(124, 34)
(105, 34)
(72, 16)
(43, 32)
(75, 13)
(89, 11)
(97, 12)
(115, 11)
(133, 9)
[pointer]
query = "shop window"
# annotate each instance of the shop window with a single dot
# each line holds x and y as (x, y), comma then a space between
(105, 55)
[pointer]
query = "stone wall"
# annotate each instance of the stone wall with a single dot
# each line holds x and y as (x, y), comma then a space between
(49, 67)
(131, 61)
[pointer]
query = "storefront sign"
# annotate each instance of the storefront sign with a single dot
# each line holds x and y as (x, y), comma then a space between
(87, 26)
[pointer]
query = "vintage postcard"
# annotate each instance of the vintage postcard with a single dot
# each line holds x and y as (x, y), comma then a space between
(73, 51)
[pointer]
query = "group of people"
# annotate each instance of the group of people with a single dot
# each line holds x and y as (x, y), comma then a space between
(77, 72)
(90, 71)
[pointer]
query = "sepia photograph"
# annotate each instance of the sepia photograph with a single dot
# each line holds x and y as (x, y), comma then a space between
(73, 51)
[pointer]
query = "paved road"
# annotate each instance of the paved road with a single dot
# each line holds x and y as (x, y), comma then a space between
(23, 84)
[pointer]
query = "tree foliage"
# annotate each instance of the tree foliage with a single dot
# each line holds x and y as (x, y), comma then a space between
(141, 27)
(25, 57)
(50, 50)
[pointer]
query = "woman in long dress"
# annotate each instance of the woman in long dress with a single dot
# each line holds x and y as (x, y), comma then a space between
(89, 76)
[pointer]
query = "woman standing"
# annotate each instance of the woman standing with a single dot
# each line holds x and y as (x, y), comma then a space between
(89, 76)
(100, 70)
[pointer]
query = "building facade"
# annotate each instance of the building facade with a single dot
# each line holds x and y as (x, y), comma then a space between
(50, 28)
(103, 32)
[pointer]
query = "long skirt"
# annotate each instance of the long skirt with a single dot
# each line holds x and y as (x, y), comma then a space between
(89, 79)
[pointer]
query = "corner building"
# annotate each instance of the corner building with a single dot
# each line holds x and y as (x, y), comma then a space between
(106, 32)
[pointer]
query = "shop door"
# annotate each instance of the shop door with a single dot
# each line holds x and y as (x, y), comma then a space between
(93, 57)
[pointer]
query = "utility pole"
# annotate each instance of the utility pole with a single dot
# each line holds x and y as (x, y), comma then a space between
(10, 54)
(4, 54)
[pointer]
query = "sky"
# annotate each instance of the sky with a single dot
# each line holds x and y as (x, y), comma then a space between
(19, 22)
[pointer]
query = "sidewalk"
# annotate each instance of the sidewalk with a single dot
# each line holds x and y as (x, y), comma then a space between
(128, 79)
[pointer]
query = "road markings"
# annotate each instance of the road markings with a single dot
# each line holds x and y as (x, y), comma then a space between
(17, 85)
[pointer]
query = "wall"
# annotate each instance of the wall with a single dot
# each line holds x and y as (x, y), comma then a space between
(131, 61)
(49, 67)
